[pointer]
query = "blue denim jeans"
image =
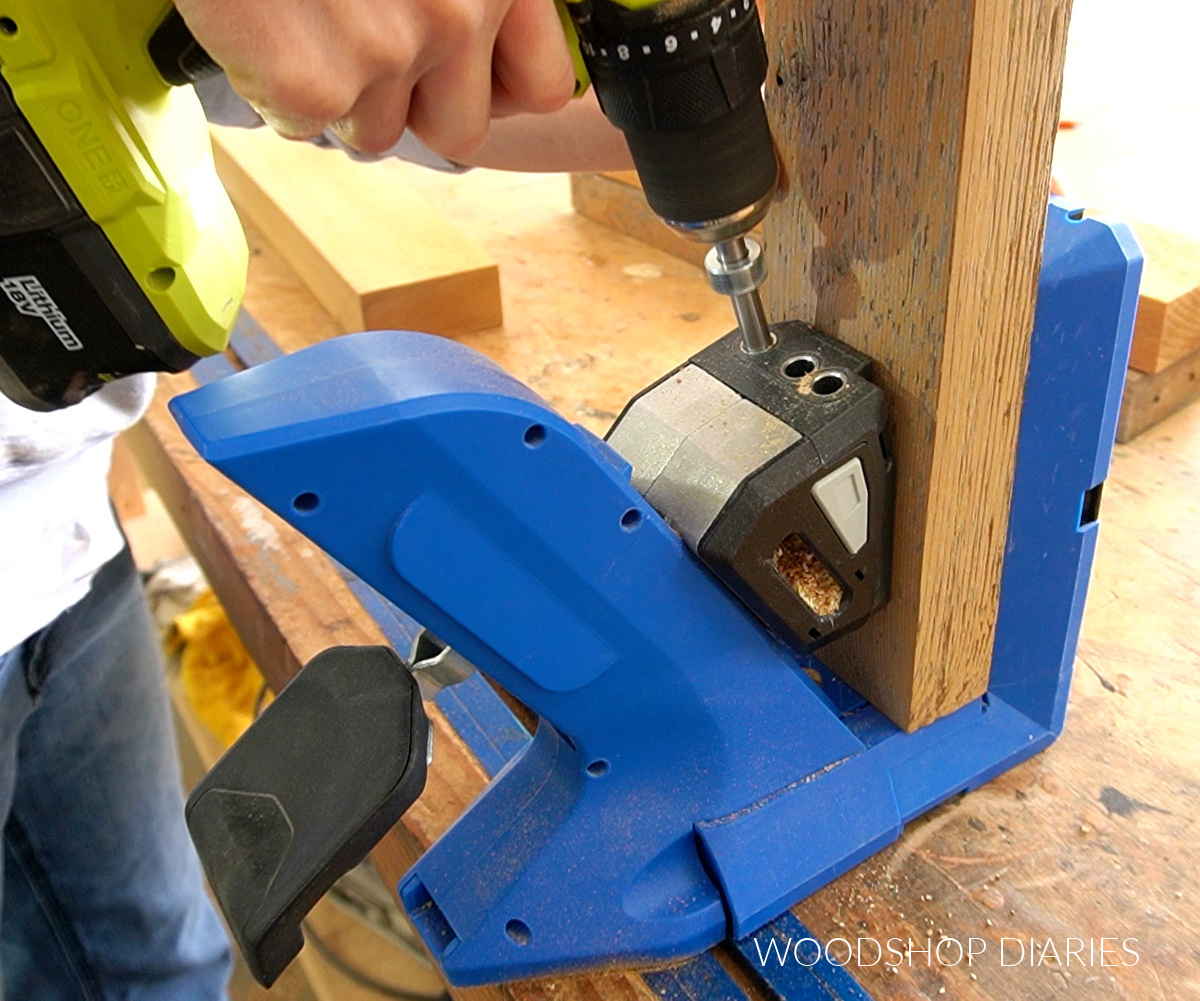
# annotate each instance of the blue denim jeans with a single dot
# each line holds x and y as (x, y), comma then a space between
(102, 894)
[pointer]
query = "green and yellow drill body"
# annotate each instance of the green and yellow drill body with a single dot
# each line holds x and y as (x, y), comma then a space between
(120, 251)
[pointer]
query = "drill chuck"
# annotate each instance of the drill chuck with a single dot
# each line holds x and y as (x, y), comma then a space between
(683, 80)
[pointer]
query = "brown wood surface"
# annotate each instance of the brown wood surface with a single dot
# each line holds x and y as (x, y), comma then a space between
(373, 252)
(1093, 838)
(916, 139)
(1165, 356)
(1152, 397)
(1167, 329)
(618, 201)
(124, 483)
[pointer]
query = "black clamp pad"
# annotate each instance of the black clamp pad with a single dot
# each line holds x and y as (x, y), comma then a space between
(307, 791)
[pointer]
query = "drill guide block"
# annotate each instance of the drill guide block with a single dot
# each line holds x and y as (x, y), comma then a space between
(688, 781)
(774, 469)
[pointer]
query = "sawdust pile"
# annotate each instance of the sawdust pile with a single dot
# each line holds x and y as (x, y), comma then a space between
(808, 576)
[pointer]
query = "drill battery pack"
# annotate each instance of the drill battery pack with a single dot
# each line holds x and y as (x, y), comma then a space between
(119, 249)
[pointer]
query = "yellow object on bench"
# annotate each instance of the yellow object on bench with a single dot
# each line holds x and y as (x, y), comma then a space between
(223, 685)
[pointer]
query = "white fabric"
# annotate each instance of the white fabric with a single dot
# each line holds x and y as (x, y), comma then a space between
(56, 525)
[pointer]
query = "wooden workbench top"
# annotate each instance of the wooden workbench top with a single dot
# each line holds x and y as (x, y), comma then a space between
(1090, 840)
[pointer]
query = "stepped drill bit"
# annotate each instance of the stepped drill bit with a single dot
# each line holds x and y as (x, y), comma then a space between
(735, 268)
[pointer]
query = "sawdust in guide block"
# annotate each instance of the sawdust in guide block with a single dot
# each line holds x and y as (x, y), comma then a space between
(808, 576)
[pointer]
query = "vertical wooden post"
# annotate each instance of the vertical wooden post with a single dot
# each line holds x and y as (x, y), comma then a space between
(916, 136)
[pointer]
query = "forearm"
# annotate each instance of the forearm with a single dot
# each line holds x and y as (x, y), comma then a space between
(577, 137)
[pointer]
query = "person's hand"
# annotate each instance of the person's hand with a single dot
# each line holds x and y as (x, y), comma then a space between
(371, 68)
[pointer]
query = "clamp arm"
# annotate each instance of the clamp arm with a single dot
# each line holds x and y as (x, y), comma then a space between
(668, 716)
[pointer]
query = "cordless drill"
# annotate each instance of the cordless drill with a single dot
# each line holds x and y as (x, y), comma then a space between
(683, 80)
(120, 251)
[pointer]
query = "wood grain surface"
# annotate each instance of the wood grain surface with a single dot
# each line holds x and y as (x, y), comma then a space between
(373, 252)
(1168, 320)
(1152, 397)
(916, 139)
(1094, 838)
(617, 200)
